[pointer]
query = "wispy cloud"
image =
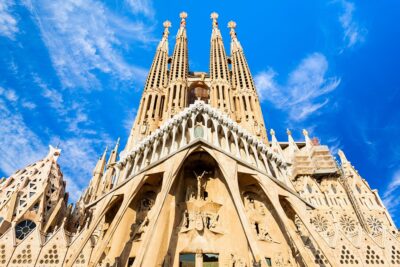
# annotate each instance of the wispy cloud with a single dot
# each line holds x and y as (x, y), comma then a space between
(353, 32)
(8, 22)
(390, 196)
(305, 91)
(72, 113)
(78, 159)
(10, 96)
(19, 145)
(144, 7)
(83, 40)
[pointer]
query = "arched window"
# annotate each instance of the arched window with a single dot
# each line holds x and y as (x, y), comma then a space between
(358, 188)
(333, 187)
(309, 188)
(23, 228)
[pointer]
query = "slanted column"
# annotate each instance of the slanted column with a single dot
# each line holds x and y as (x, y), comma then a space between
(265, 160)
(246, 149)
(173, 145)
(183, 141)
(164, 140)
(117, 174)
(155, 144)
(235, 137)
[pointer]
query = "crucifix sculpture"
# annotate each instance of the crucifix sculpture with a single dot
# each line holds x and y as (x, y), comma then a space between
(199, 182)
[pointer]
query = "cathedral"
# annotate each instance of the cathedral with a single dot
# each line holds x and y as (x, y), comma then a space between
(199, 183)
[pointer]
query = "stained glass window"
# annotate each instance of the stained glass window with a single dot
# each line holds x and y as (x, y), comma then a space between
(23, 228)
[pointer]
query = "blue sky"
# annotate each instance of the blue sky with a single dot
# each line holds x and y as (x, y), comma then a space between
(72, 71)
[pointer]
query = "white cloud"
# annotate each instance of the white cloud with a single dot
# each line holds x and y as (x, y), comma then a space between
(144, 7)
(8, 22)
(19, 145)
(129, 120)
(83, 40)
(70, 112)
(78, 158)
(28, 105)
(391, 195)
(353, 32)
(266, 85)
(305, 91)
(8, 94)
(11, 97)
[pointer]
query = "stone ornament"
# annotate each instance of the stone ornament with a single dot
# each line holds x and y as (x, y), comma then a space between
(347, 224)
(375, 225)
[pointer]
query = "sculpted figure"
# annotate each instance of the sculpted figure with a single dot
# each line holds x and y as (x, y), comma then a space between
(190, 193)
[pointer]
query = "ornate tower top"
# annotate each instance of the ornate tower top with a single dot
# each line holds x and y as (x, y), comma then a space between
(166, 24)
(214, 17)
(183, 15)
(232, 26)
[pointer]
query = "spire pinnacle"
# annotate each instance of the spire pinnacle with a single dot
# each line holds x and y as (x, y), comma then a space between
(272, 132)
(232, 26)
(342, 156)
(99, 168)
(166, 24)
(290, 138)
(183, 15)
(307, 138)
(214, 17)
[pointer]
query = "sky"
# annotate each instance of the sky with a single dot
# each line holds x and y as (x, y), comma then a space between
(72, 73)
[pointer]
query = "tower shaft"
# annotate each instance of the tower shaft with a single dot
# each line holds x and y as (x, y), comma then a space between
(176, 94)
(219, 72)
(246, 102)
(151, 107)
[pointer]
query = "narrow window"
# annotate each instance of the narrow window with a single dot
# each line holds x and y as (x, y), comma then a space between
(210, 260)
(187, 260)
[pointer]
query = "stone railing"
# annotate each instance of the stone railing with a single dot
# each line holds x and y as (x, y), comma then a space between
(200, 121)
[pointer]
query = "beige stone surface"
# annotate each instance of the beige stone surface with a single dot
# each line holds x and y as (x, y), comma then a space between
(199, 181)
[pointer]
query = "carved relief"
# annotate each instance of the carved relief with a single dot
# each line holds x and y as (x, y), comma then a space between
(236, 261)
(138, 228)
(375, 225)
(199, 212)
(280, 260)
(348, 224)
(320, 223)
(256, 212)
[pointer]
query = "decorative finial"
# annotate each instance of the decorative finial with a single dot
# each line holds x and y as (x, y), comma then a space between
(214, 17)
(183, 15)
(305, 132)
(232, 26)
(166, 25)
(288, 132)
(272, 132)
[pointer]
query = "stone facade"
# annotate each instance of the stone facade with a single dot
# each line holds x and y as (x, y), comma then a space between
(199, 184)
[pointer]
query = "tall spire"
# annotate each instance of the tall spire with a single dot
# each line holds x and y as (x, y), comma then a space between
(110, 171)
(248, 110)
(97, 176)
(176, 94)
(150, 112)
(219, 71)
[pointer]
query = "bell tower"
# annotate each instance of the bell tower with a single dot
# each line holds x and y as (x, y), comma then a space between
(151, 108)
(247, 106)
(177, 89)
(219, 71)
